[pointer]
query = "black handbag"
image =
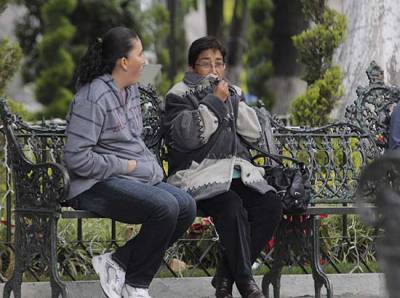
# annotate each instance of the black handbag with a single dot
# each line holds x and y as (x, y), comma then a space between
(291, 183)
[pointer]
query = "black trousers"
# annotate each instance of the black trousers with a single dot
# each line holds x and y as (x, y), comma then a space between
(245, 221)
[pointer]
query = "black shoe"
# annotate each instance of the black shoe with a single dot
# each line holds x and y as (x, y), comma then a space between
(249, 289)
(223, 287)
(214, 281)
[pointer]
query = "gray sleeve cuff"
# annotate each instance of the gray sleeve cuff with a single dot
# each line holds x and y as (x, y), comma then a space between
(124, 166)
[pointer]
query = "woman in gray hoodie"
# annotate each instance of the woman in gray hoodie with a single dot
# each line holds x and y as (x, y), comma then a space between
(113, 173)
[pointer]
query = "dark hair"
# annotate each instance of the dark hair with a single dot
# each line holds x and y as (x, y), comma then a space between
(101, 56)
(202, 44)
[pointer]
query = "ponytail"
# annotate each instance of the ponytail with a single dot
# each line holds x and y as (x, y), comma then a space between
(102, 55)
(91, 64)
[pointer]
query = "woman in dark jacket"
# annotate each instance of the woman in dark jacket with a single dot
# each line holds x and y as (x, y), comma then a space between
(206, 118)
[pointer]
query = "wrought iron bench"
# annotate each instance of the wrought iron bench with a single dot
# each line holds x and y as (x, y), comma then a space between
(334, 155)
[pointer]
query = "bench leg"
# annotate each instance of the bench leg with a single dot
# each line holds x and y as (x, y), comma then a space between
(35, 239)
(273, 277)
(13, 284)
(58, 287)
(319, 276)
(279, 255)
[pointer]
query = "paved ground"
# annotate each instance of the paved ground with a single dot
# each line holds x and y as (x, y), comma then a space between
(368, 285)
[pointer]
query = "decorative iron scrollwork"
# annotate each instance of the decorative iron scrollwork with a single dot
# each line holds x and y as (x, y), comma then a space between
(373, 106)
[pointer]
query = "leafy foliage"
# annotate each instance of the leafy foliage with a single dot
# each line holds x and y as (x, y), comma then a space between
(157, 33)
(351, 245)
(53, 80)
(10, 60)
(259, 54)
(166, 36)
(28, 30)
(11, 55)
(3, 5)
(313, 107)
(93, 18)
(316, 46)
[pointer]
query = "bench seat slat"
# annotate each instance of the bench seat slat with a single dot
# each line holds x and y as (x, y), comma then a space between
(79, 214)
(341, 210)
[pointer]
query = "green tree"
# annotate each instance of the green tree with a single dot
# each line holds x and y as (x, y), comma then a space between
(259, 53)
(166, 37)
(157, 33)
(28, 30)
(316, 46)
(215, 18)
(10, 56)
(313, 107)
(92, 17)
(95, 17)
(3, 5)
(235, 45)
(58, 66)
(10, 60)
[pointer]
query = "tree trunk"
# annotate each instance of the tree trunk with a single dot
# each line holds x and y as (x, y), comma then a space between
(288, 21)
(237, 43)
(215, 18)
(286, 84)
(372, 35)
(172, 8)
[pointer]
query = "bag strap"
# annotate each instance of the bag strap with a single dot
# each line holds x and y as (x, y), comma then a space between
(276, 157)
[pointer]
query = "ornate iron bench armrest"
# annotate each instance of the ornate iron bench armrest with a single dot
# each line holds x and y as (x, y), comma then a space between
(42, 185)
(59, 181)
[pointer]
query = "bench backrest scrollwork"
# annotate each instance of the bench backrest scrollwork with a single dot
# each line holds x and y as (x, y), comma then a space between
(372, 108)
(335, 154)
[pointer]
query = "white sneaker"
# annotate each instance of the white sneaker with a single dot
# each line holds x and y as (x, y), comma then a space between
(112, 276)
(131, 292)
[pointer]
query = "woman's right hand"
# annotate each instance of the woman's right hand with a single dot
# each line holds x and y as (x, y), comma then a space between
(222, 91)
(131, 165)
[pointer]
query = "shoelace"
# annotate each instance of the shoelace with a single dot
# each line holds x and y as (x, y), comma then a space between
(115, 280)
(137, 293)
(143, 293)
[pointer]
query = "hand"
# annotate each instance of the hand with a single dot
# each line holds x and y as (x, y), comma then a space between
(222, 91)
(131, 165)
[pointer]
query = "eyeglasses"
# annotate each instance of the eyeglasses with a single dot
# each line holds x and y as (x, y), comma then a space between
(209, 65)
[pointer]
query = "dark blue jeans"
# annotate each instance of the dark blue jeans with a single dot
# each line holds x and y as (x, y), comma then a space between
(164, 211)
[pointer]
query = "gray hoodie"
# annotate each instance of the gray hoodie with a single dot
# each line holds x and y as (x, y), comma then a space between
(103, 133)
